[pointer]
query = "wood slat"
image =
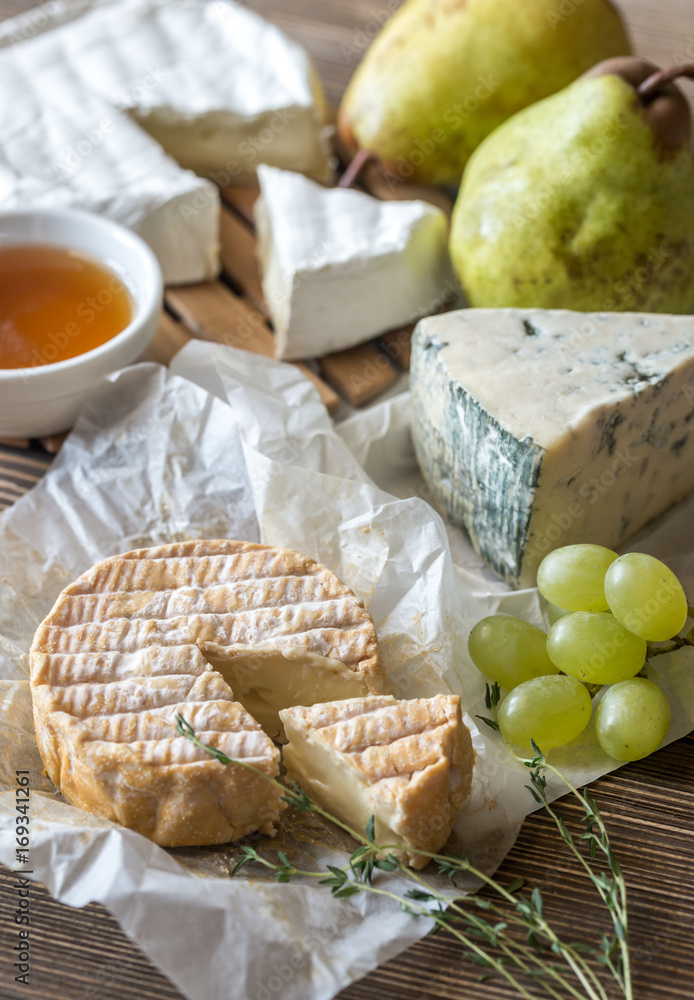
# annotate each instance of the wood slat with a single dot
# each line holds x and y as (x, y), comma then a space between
(241, 199)
(239, 262)
(9, 493)
(397, 344)
(170, 337)
(22, 443)
(18, 473)
(214, 313)
(359, 374)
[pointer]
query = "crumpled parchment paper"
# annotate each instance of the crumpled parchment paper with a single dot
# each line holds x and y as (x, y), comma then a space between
(227, 444)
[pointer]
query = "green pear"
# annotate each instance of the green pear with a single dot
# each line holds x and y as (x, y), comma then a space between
(443, 74)
(584, 201)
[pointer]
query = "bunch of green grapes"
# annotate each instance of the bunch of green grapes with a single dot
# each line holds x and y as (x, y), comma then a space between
(604, 609)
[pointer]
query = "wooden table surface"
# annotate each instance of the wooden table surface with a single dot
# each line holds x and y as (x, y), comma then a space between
(649, 806)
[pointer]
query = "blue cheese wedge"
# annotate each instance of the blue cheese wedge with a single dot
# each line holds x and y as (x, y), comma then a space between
(340, 266)
(406, 763)
(538, 429)
(98, 98)
(216, 631)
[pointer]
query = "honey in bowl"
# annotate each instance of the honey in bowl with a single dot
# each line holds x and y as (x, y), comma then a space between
(55, 304)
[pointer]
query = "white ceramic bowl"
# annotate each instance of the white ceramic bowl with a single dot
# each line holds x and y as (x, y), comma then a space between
(46, 399)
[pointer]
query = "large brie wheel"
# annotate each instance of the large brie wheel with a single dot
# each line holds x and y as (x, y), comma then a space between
(137, 639)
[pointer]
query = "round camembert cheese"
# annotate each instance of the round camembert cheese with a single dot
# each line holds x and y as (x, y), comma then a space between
(225, 633)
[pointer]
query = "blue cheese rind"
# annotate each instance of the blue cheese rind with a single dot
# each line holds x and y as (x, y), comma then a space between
(538, 429)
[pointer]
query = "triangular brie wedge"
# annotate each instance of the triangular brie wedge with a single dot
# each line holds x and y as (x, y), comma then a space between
(340, 266)
(539, 429)
(406, 763)
(120, 655)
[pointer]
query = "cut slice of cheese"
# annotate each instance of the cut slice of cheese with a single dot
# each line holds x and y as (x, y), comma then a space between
(406, 763)
(539, 429)
(123, 652)
(95, 93)
(341, 266)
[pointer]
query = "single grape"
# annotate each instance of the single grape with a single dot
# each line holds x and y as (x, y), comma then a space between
(594, 647)
(632, 719)
(549, 710)
(509, 650)
(646, 596)
(573, 577)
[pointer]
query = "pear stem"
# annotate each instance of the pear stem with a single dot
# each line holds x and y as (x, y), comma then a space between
(650, 87)
(355, 167)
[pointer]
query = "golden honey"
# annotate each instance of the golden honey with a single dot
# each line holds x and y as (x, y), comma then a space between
(56, 303)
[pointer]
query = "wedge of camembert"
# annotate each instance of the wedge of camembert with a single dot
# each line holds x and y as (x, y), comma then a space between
(340, 266)
(539, 429)
(406, 763)
(125, 650)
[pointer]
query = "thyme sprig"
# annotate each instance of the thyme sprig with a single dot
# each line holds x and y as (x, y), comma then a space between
(610, 885)
(507, 934)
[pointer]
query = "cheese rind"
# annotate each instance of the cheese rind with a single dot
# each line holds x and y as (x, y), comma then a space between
(539, 429)
(406, 763)
(123, 652)
(218, 86)
(215, 85)
(63, 148)
(340, 266)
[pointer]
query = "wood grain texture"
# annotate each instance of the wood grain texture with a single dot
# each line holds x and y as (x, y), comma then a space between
(170, 337)
(649, 806)
(212, 312)
(360, 373)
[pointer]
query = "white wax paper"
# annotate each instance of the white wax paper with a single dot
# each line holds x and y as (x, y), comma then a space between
(227, 444)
